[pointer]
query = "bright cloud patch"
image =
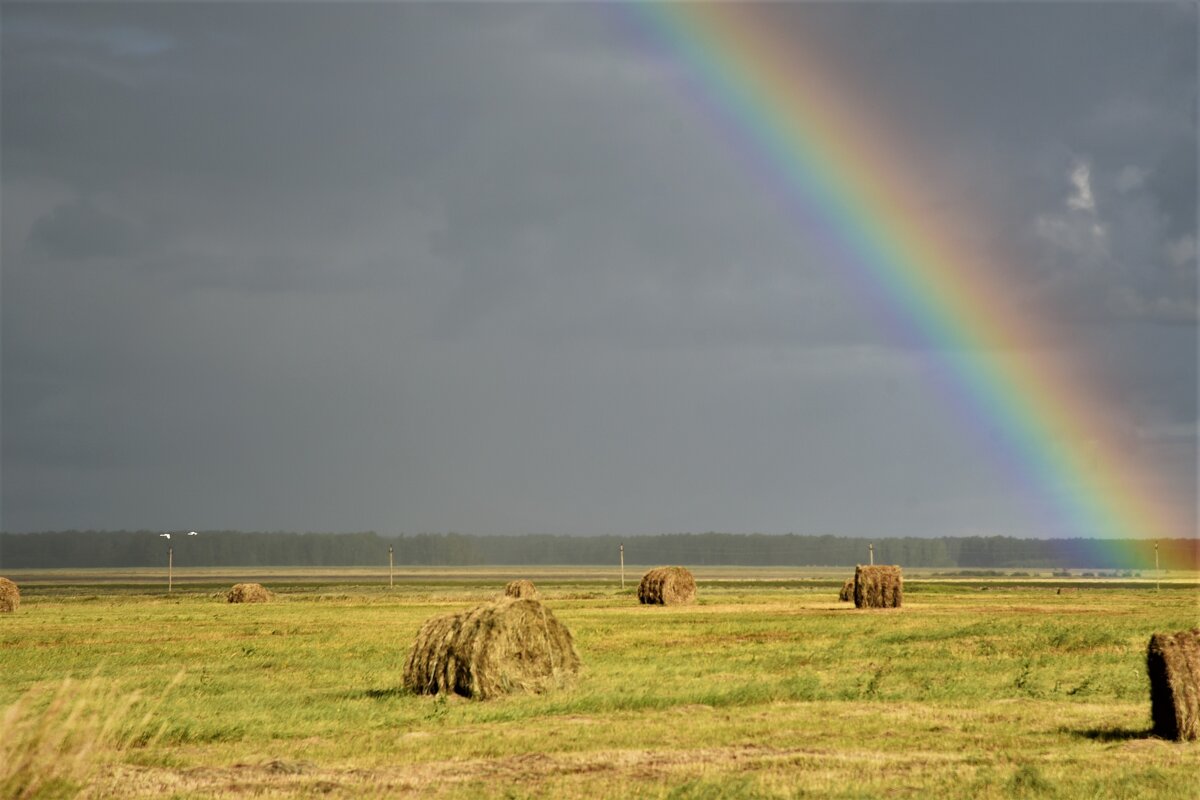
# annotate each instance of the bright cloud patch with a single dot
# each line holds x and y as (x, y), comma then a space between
(1081, 179)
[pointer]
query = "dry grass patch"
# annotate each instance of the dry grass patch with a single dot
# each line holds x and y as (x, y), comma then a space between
(54, 741)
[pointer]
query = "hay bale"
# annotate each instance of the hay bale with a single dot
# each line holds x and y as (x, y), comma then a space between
(10, 596)
(847, 592)
(521, 589)
(667, 586)
(248, 593)
(878, 587)
(1173, 662)
(493, 649)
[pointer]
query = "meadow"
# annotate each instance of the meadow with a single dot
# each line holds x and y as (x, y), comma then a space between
(767, 687)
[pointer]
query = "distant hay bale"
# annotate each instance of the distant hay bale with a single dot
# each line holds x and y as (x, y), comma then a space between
(1173, 662)
(847, 593)
(667, 586)
(521, 589)
(248, 593)
(500, 647)
(878, 587)
(10, 596)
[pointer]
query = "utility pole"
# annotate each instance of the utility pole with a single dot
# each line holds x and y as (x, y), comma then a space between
(622, 567)
(871, 548)
(170, 567)
(391, 569)
(1157, 574)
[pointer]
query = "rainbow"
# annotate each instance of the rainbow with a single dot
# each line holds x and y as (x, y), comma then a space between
(847, 181)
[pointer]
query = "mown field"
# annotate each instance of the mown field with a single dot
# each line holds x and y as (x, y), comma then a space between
(763, 689)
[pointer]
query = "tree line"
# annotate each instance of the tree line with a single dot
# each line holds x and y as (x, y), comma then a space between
(73, 548)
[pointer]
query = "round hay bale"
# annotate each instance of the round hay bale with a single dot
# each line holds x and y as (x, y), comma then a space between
(248, 593)
(1173, 663)
(878, 587)
(490, 650)
(846, 595)
(10, 596)
(667, 586)
(521, 589)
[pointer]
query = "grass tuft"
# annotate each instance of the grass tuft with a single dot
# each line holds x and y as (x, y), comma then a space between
(1027, 781)
(56, 739)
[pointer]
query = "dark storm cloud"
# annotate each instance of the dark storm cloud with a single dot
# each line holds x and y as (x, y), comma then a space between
(430, 266)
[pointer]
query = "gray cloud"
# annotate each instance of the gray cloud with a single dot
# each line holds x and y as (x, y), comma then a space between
(422, 267)
(78, 230)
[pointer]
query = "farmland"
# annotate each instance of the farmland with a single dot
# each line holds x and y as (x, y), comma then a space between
(767, 687)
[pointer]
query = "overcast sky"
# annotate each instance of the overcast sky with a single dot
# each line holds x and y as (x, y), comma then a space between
(493, 269)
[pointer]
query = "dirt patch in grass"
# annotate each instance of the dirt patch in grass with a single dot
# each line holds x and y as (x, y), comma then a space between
(277, 777)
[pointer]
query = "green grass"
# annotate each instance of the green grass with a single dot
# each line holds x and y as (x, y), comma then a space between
(760, 690)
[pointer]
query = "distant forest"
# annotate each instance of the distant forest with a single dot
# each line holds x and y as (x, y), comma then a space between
(243, 549)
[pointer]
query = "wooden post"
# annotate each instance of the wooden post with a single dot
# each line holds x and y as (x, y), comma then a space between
(622, 567)
(1157, 574)
(170, 567)
(391, 569)
(871, 547)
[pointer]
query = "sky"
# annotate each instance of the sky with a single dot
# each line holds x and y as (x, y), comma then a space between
(494, 268)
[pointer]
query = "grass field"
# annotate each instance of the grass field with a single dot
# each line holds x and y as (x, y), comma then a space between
(763, 689)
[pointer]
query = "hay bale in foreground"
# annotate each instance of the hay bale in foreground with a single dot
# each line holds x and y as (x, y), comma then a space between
(10, 595)
(521, 589)
(878, 587)
(1173, 662)
(248, 593)
(667, 586)
(493, 649)
(847, 592)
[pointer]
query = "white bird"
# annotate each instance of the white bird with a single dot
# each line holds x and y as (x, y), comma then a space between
(165, 535)
(191, 533)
